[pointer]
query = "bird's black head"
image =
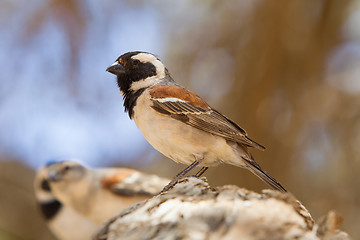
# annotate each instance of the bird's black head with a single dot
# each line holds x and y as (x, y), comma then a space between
(135, 72)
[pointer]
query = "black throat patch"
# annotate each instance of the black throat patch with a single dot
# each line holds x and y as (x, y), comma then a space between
(125, 81)
(130, 99)
(50, 209)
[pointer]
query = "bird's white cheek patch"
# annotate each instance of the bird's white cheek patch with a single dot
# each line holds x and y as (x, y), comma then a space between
(147, 82)
(44, 196)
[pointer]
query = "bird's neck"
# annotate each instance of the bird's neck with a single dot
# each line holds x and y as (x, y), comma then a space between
(130, 98)
(131, 89)
(124, 82)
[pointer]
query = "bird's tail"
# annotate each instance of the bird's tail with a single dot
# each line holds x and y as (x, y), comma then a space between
(258, 171)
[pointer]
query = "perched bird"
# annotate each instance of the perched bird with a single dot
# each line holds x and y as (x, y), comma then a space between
(63, 221)
(178, 123)
(100, 193)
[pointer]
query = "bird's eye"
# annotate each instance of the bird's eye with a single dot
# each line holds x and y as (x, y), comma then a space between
(66, 168)
(135, 62)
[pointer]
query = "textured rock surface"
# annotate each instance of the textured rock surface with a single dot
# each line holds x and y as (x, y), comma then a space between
(193, 210)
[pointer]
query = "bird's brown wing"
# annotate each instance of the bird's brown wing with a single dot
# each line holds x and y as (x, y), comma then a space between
(127, 182)
(192, 110)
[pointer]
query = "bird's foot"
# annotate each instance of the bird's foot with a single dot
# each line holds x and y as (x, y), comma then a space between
(170, 185)
(182, 174)
(201, 172)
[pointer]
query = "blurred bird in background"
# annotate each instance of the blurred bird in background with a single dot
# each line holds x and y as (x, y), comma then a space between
(99, 194)
(63, 221)
(178, 123)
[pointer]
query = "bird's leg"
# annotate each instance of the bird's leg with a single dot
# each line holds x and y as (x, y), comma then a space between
(181, 174)
(201, 172)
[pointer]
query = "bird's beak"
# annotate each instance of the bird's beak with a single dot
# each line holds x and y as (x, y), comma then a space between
(116, 68)
(54, 177)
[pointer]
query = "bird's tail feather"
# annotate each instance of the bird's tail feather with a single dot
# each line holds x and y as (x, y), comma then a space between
(259, 172)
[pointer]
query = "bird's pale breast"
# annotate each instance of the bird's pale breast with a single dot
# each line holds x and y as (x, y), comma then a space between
(177, 140)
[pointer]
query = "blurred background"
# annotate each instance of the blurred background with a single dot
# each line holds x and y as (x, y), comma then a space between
(286, 71)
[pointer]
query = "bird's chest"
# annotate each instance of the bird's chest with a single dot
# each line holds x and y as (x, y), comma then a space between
(173, 138)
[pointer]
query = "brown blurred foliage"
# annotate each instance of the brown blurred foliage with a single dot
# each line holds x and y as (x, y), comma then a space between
(71, 17)
(19, 218)
(279, 52)
(264, 64)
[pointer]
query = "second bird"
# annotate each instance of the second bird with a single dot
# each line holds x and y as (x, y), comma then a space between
(98, 194)
(178, 123)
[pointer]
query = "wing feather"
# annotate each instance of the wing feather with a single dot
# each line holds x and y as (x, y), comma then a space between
(133, 183)
(263, 175)
(208, 120)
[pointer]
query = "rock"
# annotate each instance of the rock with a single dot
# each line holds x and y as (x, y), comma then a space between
(193, 210)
